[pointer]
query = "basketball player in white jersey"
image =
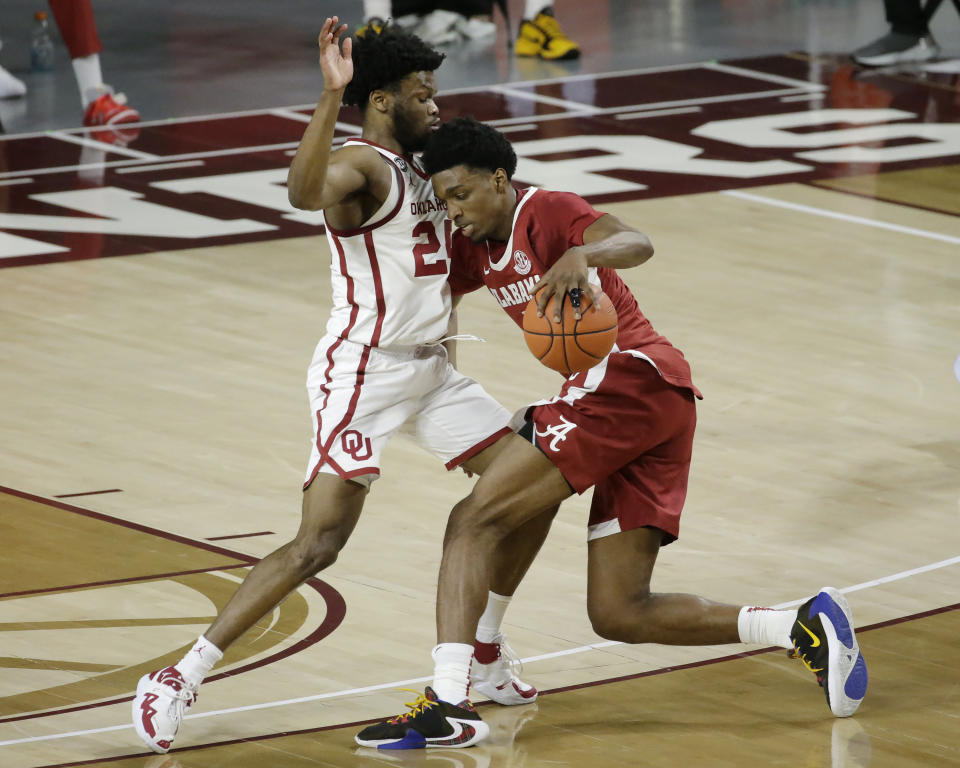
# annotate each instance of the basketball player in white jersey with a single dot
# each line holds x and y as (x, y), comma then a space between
(381, 364)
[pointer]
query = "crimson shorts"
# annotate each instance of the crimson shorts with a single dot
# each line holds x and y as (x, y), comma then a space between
(622, 429)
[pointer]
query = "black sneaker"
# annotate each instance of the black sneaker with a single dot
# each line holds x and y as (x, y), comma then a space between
(823, 639)
(896, 48)
(429, 723)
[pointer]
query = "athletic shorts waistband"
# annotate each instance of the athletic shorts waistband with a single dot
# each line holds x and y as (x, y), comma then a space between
(405, 352)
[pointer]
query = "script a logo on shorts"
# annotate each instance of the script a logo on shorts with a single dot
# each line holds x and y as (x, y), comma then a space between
(556, 432)
(356, 445)
(521, 262)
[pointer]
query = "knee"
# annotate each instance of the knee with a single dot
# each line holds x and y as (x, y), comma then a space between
(310, 555)
(474, 518)
(621, 620)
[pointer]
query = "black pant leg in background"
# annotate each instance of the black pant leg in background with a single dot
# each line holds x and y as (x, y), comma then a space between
(906, 16)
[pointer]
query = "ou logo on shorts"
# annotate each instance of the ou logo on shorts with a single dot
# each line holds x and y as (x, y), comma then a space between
(356, 445)
(557, 433)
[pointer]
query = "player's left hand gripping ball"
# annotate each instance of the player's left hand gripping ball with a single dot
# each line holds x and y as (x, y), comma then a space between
(571, 345)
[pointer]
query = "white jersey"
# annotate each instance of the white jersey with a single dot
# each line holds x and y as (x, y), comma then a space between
(390, 275)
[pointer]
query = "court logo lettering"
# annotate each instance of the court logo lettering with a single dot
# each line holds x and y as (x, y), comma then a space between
(557, 433)
(356, 445)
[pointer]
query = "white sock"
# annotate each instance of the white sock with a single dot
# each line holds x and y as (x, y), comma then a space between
(766, 626)
(489, 625)
(199, 661)
(533, 7)
(378, 8)
(451, 671)
(89, 77)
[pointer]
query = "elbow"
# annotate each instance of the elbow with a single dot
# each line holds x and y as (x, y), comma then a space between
(302, 201)
(299, 193)
(646, 249)
(642, 250)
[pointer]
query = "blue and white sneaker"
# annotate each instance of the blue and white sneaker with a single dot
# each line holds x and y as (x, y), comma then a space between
(824, 640)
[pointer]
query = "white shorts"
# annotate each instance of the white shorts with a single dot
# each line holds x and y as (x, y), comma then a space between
(361, 396)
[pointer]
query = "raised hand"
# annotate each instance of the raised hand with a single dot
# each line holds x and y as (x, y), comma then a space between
(336, 65)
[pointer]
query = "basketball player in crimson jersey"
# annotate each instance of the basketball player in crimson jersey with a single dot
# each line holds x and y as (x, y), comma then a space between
(381, 364)
(625, 427)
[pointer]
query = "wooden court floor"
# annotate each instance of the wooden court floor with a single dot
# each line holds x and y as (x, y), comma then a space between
(155, 434)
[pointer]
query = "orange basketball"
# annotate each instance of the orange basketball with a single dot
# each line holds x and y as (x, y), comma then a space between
(571, 345)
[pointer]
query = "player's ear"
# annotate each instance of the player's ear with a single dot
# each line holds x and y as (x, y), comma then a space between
(380, 100)
(500, 180)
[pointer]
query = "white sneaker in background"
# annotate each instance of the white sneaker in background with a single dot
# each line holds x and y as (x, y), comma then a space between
(10, 86)
(476, 28)
(438, 27)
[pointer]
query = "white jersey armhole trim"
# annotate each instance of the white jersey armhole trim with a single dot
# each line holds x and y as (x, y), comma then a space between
(508, 251)
(391, 204)
(393, 198)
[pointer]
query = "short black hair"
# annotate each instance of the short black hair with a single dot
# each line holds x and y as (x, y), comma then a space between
(466, 141)
(381, 60)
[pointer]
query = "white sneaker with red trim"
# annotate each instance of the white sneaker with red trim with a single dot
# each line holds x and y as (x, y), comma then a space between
(158, 708)
(499, 678)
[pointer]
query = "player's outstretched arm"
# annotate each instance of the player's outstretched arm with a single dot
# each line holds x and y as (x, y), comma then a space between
(314, 181)
(607, 242)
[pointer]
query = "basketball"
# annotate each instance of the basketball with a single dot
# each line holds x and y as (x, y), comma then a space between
(571, 345)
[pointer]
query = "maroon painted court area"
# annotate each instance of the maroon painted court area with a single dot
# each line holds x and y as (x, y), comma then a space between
(219, 179)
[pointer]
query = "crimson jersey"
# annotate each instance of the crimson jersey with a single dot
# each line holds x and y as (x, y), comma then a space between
(545, 225)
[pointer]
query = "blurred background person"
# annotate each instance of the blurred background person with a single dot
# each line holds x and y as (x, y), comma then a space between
(908, 40)
(445, 22)
(101, 104)
(540, 34)
(438, 22)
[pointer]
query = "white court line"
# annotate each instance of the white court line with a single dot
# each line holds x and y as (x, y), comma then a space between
(467, 89)
(803, 97)
(636, 110)
(290, 114)
(160, 166)
(577, 78)
(8, 182)
(574, 106)
(519, 127)
(538, 118)
(657, 113)
(129, 163)
(742, 72)
(102, 145)
(702, 100)
(400, 683)
(843, 216)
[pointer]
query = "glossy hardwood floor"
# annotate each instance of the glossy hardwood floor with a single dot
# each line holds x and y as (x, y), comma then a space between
(161, 396)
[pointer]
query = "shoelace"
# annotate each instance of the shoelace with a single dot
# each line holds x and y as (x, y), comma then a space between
(796, 653)
(514, 664)
(550, 26)
(418, 705)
